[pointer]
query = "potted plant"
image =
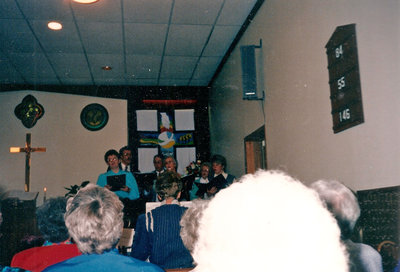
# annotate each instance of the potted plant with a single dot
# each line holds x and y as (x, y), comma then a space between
(75, 188)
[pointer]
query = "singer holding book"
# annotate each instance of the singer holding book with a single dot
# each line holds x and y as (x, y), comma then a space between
(122, 183)
(199, 188)
(220, 179)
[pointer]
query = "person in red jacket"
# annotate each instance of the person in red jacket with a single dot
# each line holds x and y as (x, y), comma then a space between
(57, 246)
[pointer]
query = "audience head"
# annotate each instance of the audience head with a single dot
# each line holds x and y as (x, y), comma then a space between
(170, 163)
(205, 168)
(190, 223)
(341, 202)
(94, 219)
(158, 162)
(50, 218)
(125, 154)
(168, 185)
(218, 163)
(270, 222)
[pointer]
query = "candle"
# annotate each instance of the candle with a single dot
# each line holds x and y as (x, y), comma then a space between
(44, 194)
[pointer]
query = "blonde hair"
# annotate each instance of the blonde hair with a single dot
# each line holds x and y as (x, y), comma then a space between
(268, 222)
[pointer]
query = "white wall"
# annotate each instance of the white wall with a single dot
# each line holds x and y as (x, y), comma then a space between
(74, 154)
(299, 132)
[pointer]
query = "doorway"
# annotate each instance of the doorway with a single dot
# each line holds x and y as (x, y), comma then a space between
(255, 151)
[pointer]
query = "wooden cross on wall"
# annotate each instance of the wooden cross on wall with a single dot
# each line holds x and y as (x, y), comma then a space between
(28, 150)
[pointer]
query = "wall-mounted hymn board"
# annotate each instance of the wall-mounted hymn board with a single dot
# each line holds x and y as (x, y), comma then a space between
(344, 78)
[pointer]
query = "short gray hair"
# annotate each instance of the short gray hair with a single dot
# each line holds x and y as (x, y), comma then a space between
(341, 202)
(94, 219)
(190, 223)
(173, 160)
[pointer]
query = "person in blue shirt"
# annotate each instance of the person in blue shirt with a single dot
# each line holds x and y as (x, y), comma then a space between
(129, 189)
(94, 219)
(124, 185)
(157, 233)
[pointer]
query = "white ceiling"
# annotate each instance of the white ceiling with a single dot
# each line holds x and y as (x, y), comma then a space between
(146, 42)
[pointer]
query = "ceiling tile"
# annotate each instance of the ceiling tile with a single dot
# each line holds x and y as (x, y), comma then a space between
(33, 66)
(147, 11)
(69, 65)
(141, 82)
(235, 12)
(8, 73)
(65, 40)
(220, 40)
(196, 11)
(142, 67)
(187, 40)
(77, 81)
(173, 33)
(9, 10)
(173, 82)
(16, 36)
(116, 62)
(177, 67)
(12, 79)
(198, 82)
(145, 39)
(102, 38)
(43, 81)
(111, 81)
(46, 9)
(101, 11)
(206, 68)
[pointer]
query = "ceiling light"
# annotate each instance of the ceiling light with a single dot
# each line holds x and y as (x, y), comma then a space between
(106, 68)
(85, 1)
(54, 25)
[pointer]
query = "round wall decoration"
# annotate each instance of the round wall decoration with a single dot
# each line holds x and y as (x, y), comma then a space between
(94, 117)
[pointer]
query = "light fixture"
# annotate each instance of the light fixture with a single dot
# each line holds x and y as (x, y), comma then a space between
(85, 1)
(106, 68)
(53, 25)
(15, 150)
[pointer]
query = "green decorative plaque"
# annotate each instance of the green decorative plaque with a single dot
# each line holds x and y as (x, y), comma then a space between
(94, 117)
